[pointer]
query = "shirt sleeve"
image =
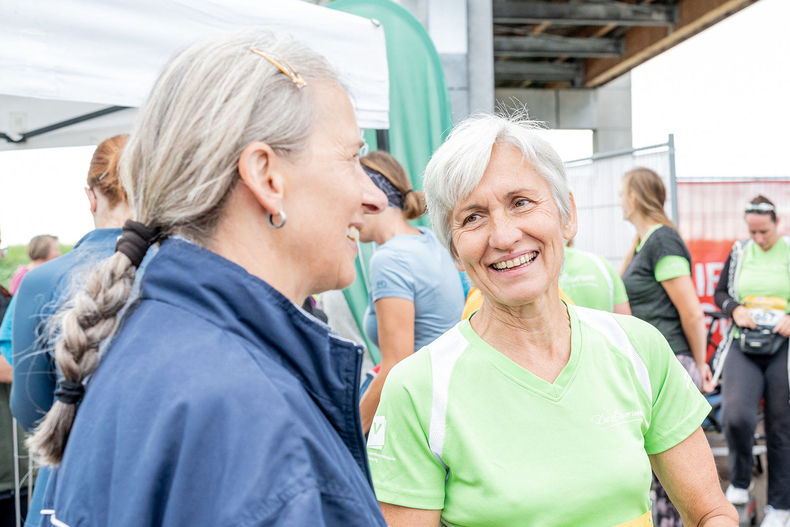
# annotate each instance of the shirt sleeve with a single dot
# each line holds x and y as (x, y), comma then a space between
(405, 471)
(671, 266)
(5, 331)
(664, 242)
(678, 407)
(390, 276)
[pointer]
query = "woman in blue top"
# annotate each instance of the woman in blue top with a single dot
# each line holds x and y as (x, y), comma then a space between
(46, 287)
(415, 290)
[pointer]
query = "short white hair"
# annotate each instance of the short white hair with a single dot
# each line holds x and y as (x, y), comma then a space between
(457, 166)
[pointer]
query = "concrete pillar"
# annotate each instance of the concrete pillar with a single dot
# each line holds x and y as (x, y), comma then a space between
(613, 109)
(480, 30)
(463, 33)
(605, 110)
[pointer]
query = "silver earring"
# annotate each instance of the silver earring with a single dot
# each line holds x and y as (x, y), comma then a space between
(280, 223)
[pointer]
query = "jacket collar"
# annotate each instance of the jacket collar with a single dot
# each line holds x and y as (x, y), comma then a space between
(99, 237)
(202, 282)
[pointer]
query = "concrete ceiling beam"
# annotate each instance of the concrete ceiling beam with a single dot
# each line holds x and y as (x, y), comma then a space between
(644, 43)
(539, 71)
(556, 46)
(583, 13)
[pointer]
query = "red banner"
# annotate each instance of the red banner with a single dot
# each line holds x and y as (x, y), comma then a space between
(708, 258)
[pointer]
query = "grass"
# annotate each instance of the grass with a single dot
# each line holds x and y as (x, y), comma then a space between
(17, 255)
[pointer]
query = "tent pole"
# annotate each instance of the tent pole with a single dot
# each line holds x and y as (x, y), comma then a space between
(383, 140)
(24, 136)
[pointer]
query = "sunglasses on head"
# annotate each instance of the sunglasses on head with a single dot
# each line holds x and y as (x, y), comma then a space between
(760, 208)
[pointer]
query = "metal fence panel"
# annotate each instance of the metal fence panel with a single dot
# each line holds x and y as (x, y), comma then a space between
(596, 184)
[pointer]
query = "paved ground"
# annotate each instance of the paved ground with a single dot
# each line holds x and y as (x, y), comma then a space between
(719, 446)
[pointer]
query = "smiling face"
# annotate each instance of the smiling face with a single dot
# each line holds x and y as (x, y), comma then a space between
(508, 234)
(327, 196)
(763, 230)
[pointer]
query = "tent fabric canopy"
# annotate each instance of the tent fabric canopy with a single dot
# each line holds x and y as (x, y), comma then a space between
(109, 52)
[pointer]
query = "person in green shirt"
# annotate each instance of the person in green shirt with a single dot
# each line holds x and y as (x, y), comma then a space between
(591, 281)
(754, 288)
(532, 411)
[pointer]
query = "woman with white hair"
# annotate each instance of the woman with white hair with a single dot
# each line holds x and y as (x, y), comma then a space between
(532, 412)
(195, 390)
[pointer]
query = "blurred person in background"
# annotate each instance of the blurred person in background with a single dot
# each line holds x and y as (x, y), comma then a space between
(215, 399)
(416, 292)
(46, 287)
(657, 278)
(532, 411)
(657, 274)
(41, 249)
(754, 289)
(591, 281)
(7, 476)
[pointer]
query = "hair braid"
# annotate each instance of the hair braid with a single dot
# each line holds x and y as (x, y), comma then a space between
(90, 317)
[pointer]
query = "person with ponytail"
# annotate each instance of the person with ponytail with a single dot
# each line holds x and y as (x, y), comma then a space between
(416, 292)
(195, 390)
(657, 278)
(657, 274)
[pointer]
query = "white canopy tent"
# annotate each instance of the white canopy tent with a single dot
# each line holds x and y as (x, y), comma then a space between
(63, 59)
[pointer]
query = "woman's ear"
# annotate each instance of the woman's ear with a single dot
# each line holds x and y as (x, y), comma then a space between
(261, 171)
(91, 199)
(570, 225)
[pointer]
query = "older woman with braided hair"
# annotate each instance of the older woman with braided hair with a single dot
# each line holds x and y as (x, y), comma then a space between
(196, 391)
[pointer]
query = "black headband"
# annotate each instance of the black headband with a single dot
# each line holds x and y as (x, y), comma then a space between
(136, 239)
(394, 196)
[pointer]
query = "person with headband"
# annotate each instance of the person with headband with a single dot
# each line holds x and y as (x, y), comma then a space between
(195, 390)
(532, 411)
(754, 289)
(415, 291)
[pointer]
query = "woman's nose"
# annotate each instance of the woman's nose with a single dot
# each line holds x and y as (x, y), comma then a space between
(504, 233)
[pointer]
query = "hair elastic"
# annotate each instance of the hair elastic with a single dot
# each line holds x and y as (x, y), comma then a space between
(69, 392)
(136, 239)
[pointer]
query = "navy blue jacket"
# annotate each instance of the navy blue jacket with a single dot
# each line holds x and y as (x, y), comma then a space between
(219, 403)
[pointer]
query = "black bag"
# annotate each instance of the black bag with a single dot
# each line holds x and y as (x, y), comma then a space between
(761, 340)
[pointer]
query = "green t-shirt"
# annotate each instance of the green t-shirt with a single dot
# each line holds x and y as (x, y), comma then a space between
(464, 429)
(591, 281)
(756, 265)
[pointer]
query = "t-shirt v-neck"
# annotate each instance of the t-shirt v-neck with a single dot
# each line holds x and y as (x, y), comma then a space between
(522, 376)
